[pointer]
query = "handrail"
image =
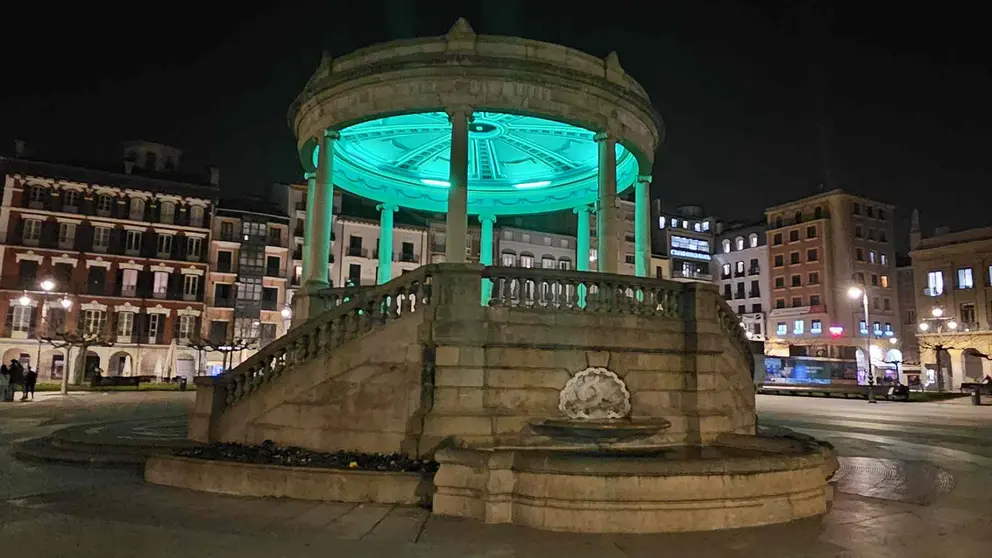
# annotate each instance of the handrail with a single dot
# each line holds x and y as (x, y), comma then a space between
(731, 324)
(350, 319)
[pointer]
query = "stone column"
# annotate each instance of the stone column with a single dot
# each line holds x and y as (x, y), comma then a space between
(582, 240)
(486, 253)
(321, 208)
(311, 192)
(385, 242)
(607, 243)
(642, 226)
(456, 228)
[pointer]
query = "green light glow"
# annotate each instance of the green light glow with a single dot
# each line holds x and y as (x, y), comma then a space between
(517, 164)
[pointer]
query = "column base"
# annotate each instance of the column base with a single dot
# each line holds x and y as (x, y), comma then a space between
(308, 303)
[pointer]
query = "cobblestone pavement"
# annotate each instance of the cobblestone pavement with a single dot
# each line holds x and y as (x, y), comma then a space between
(916, 481)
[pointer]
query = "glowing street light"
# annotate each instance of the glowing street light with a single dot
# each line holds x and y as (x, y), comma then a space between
(25, 300)
(937, 312)
(47, 285)
(952, 324)
(855, 292)
(65, 302)
(924, 326)
(893, 340)
(287, 313)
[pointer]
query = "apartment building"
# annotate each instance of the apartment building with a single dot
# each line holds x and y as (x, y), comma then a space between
(685, 237)
(356, 246)
(115, 257)
(741, 274)
(818, 248)
(952, 273)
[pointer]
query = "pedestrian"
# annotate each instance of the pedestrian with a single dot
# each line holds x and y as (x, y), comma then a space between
(16, 377)
(4, 383)
(30, 380)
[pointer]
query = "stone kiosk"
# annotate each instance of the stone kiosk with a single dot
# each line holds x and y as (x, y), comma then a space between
(566, 400)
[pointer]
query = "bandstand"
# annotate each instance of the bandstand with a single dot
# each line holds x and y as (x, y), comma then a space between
(475, 126)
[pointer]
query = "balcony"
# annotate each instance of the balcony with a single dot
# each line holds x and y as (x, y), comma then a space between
(228, 236)
(227, 267)
(739, 273)
(754, 294)
(358, 252)
(754, 271)
(129, 290)
(409, 258)
(190, 297)
(933, 292)
(694, 275)
(224, 302)
(160, 294)
(725, 276)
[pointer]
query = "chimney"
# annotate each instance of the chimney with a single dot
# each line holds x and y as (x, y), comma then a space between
(20, 148)
(214, 176)
(915, 236)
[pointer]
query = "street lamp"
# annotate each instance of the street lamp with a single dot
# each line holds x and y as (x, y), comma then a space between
(287, 313)
(854, 293)
(25, 300)
(47, 285)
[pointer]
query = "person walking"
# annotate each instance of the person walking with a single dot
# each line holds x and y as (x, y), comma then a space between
(5, 383)
(16, 377)
(30, 379)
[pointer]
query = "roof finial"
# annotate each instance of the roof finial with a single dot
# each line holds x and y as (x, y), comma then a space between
(914, 222)
(461, 29)
(613, 62)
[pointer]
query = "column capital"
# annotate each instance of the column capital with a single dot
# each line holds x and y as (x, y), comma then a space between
(644, 178)
(582, 209)
(309, 176)
(387, 207)
(459, 109)
(332, 134)
(489, 218)
(605, 136)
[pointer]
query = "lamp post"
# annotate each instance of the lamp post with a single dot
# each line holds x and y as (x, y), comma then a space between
(854, 293)
(940, 321)
(47, 286)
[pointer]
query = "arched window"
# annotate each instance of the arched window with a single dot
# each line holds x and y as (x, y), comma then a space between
(799, 216)
(508, 259)
(778, 222)
(104, 205)
(196, 216)
(753, 240)
(818, 213)
(739, 242)
(726, 246)
(137, 212)
(168, 212)
(151, 160)
(70, 200)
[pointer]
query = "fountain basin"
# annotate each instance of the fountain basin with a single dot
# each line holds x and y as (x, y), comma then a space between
(748, 481)
(599, 431)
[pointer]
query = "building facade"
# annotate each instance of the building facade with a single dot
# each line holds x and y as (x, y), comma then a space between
(110, 266)
(741, 273)
(818, 248)
(952, 273)
(685, 237)
(251, 265)
(528, 248)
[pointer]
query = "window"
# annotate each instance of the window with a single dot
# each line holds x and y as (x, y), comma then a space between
(137, 212)
(797, 301)
(814, 300)
(154, 326)
(508, 260)
(706, 226)
(564, 264)
(860, 277)
(193, 244)
(794, 235)
(967, 314)
(726, 292)
(965, 280)
(526, 261)
(779, 303)
(164, 245)
(740, 290)
(779, 260)
(32, 230)
(857, 208)
(871, 256)
(129, 282)
(196, 216)
(781, 328)
(811, 231)
(250, 288)
(885, 281)
(525, 237)
(273, 264)
(780, 282)
(67, 235)
(816, 327)
(160, 284)
(881, 214)
(275, 236)
(814, 278)
(726, 271)
(778, 221)
(226, 230)
(740, 268)
(794, 258)
(756, 307)
(70, 201)
(187, 324)
(777, 239)
(190, 285)
(935, 283)
(817, 213)
(754, 268)
(133, 241)
(910, 316)
(355, 273)
(755, 290)
(691, 244)
(167, 212)
(857, 232)
(875, 304)
(874, 280)
(37, 195)
(22, 319)
(752, 240)
(698, 227)
(862, 327)
(739, 242)
(740, 309)
(989, 276)
(876, 328)
(859, 254)
(888, 329)
(125, 324)
(252, 257)
(247, 328)
(799, 217)
(871, 234)
(661, 222)
(629, 258)
(886, 304)
(628, 237)
(797, 281)
(101, 239)
(563, 243)
(104, 204)
(811, 255)
(881, 236)
(93, 321)
(798, 326)
(870, 210)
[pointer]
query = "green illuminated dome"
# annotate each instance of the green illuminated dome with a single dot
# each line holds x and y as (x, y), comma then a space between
(517, 164)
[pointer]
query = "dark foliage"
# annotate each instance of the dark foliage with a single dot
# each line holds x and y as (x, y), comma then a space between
(268, 453)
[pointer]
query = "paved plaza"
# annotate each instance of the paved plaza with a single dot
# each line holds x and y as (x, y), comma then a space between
(915, 480)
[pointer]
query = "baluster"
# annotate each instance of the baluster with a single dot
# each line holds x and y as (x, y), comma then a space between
(239, 386)
(230, 397)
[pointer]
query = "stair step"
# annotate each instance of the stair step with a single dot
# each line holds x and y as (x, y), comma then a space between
(44, 450)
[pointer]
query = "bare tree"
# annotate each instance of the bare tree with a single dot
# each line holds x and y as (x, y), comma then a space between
(941, 341)
(92, 328)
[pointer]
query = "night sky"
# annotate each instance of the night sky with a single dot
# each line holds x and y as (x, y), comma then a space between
(763, 101)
